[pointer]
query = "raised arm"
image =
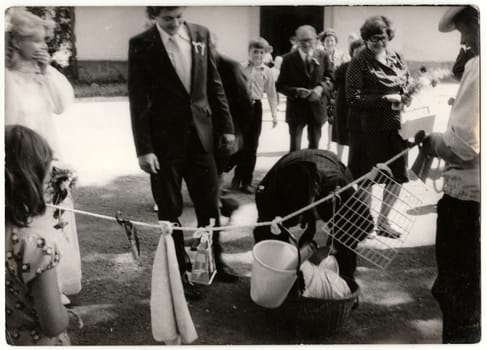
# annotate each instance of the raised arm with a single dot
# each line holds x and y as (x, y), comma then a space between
(53, 316)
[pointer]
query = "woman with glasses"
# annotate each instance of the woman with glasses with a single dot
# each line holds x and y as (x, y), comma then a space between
(376, 86)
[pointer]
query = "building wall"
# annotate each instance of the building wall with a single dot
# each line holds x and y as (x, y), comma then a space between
(102, 33)
(234, 26)
(417, 35)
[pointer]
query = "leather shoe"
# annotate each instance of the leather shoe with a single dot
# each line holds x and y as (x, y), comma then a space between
(384, 229)
(235, 184)
(228, 206)
(227, 275)
(247, 189)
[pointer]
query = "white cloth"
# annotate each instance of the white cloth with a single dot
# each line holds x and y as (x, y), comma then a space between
(463, 136)
(32, 98)
(170, 317)
(323, 281)
(178, 47)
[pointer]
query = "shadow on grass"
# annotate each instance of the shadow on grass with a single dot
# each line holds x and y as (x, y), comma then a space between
(226, 314)
(114, 301)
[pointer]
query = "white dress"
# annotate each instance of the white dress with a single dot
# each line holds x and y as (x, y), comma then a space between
(31, 99)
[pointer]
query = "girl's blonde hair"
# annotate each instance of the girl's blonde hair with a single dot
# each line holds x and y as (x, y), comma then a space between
(21, 23)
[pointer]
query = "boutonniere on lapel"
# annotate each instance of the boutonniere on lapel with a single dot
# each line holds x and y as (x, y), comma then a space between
(315, 61)
(199, 47)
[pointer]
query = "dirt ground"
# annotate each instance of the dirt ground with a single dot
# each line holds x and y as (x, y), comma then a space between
(395, 307)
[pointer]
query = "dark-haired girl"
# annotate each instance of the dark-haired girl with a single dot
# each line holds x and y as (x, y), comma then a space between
(34, 312)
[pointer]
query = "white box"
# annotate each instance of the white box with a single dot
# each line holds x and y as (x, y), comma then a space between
(416, 120)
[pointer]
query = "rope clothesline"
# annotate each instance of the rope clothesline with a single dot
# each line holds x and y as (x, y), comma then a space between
(274, 222)
(145, 224)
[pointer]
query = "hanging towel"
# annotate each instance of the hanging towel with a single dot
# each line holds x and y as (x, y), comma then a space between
(170, 317)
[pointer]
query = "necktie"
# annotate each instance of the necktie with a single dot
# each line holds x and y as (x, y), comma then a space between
(308, 64)
(179, 63)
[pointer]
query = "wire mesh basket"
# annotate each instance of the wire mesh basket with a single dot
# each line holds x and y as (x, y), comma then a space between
(347, 226)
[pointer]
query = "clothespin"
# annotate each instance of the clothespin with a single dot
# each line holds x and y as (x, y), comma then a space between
(196, 239)
(131, 233)
(209, 229)
(379, 169)
(336, 198)
(211, 224)
(275, 225)
(166, 227)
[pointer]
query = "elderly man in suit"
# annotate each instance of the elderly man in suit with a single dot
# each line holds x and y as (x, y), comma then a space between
(177, 105)
(306, 76)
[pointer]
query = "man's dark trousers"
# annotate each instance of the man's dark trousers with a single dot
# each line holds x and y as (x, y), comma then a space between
(296, 131)
(198, 169)
(457, 286)
(246, 166)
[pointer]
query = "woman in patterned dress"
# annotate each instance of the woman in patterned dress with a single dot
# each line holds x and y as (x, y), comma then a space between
(34, 312)
(377, 82)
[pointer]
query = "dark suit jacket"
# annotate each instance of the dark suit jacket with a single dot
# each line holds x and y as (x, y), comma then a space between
(162, 111)
(293, 75)
(235, 86)
(240, 103)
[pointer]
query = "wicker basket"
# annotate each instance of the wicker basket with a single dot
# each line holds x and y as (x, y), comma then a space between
(313, 317)
(320, 317)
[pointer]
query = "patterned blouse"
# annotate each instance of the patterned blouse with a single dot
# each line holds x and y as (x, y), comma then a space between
(367, 81)
(27, 255)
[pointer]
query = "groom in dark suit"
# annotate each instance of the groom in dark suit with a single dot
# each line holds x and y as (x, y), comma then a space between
(177, 105)
(305, 78)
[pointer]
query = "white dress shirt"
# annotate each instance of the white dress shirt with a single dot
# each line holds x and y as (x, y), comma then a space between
(183, 40)
(306, 56)
(462, 136)
(260, 80)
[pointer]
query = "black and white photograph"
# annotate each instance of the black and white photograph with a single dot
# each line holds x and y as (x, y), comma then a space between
(243, 173)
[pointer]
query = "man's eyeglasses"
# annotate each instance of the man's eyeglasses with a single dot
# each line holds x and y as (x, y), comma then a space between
(376, 39)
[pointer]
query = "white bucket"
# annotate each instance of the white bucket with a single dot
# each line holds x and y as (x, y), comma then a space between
(273, 272)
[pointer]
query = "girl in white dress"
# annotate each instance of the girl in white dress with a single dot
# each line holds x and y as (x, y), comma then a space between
(34, 91)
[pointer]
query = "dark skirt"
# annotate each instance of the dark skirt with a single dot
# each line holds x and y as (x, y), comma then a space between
(340, 131)
(368, 148)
